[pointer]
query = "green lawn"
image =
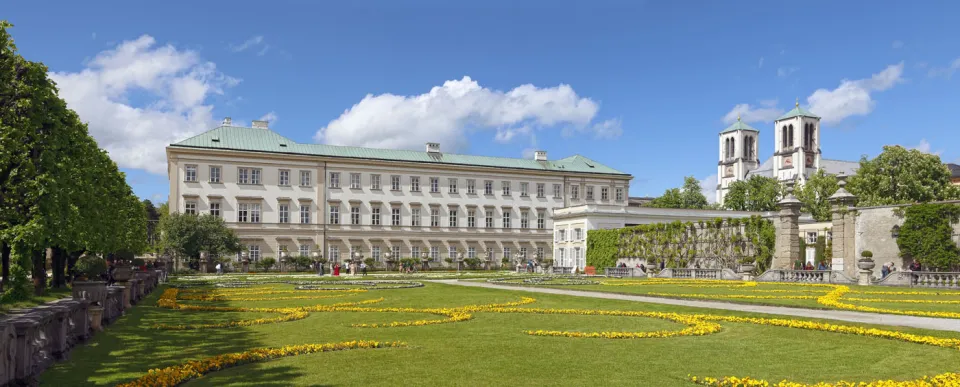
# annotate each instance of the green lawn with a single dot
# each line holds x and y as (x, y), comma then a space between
(768, 293)
(49, 294)
(489, 349)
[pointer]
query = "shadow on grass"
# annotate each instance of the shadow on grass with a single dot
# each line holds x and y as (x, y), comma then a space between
(130, 346)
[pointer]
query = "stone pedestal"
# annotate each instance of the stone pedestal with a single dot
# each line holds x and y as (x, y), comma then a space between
(96, 317)
(126, 294)
(787, 248)
(865, 277)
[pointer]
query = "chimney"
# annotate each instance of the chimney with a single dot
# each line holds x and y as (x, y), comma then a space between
(540, 155)
(433, 147)
(261, 124)
(227, 121)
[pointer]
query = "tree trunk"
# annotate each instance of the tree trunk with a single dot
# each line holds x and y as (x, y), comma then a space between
(58, 263)
(5, 254)
(39, 258)
(72, 261)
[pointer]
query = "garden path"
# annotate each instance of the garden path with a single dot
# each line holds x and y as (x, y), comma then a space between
(941, 324)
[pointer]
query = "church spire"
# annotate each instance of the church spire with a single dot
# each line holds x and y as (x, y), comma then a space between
(798, 102)
(738, 116)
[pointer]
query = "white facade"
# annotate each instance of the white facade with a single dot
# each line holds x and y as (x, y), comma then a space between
(342, 204)
(572, 223)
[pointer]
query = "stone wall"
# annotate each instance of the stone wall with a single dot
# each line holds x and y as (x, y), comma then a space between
(874, 232)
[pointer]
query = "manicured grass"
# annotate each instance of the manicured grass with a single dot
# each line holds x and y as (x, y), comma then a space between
(774, 293)
(489, 349)
(49, 294)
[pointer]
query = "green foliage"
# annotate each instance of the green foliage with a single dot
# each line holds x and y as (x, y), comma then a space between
(138, 262)
(266, 263)
(926, 235)
(602, 250)
(57, 187)
(679, 244)
(900, 176)
(689, 196)
(820, 251)
(448, 260)
(301, 262)
(815, 195)
(90, 266)
(758, 193)
(866, 254)
(546, 262)
(472, 263)
(370, 262)
(187, 235)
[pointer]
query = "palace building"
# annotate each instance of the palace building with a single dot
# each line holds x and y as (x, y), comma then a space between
(280, 195)
(796, 152)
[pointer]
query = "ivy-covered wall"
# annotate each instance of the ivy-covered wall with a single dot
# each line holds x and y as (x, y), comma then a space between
(716, 243)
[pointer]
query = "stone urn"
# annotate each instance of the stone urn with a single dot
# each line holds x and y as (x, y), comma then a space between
(245, 265)
(93, 291)
(651, 267)
(866, 264)
(122, 272)
(747, 267)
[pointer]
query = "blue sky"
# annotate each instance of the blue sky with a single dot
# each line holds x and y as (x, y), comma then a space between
(641, 86)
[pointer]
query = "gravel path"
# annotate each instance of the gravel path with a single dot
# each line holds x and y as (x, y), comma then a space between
(941, 324)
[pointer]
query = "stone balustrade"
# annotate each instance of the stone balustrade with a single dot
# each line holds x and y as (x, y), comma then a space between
(32, 339)
(561, 270)
(694, 273)
(805, 276)
(623, 272)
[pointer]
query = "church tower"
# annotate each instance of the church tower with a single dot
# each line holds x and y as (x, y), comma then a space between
(738, 155)
(797, 147)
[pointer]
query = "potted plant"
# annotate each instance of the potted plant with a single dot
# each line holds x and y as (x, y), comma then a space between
(87, 284)
(505, 262)
(370, 262)
(747, 265)
(866, 260)
(545, 263)
(651, 266)
(449, 261)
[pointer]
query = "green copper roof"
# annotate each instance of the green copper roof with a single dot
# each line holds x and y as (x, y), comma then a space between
(739, 125)
(798, 111)
(265, 140)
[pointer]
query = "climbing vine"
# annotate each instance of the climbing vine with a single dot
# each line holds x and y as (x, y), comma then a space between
(715, 243)
(926, 235)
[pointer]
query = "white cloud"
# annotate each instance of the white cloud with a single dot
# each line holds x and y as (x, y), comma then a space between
(897, 44)
(176, 82)
(853, 97)
(945, 71)
(760, 65)
(270, 117)
(766, 112)
(709, 188)
(249, 43)
(924, 146)
(447, 113)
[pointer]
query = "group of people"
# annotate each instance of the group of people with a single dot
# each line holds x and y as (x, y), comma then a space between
(337, 268)
(801, 265)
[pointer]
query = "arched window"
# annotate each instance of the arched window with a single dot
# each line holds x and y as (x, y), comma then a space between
(790, 144)
(808, 136)
(748, 147)
(726, 148)
(784, 136)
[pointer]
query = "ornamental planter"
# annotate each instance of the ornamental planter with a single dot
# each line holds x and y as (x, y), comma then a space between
(747, 267)
(122, 272)
(651, 267)
(866, 264)
(93, 291)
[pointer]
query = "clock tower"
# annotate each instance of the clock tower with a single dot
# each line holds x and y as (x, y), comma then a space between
(796, 153)
(738, 155)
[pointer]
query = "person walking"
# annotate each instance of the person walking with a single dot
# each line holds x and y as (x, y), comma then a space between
(219, 269)
(336, 270)
(363, 268)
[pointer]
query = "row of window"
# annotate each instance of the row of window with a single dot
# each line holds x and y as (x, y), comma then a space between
(576, 235)
(809, 134)
(379, 253)
(453, 218)
(251, 213)
(248, 175)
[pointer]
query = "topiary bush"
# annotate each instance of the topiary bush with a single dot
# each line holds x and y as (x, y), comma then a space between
(90, 267)
(866, 254)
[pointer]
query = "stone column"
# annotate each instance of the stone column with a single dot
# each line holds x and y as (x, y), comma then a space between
(787, 249)
(125, 285)
(844, 227)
